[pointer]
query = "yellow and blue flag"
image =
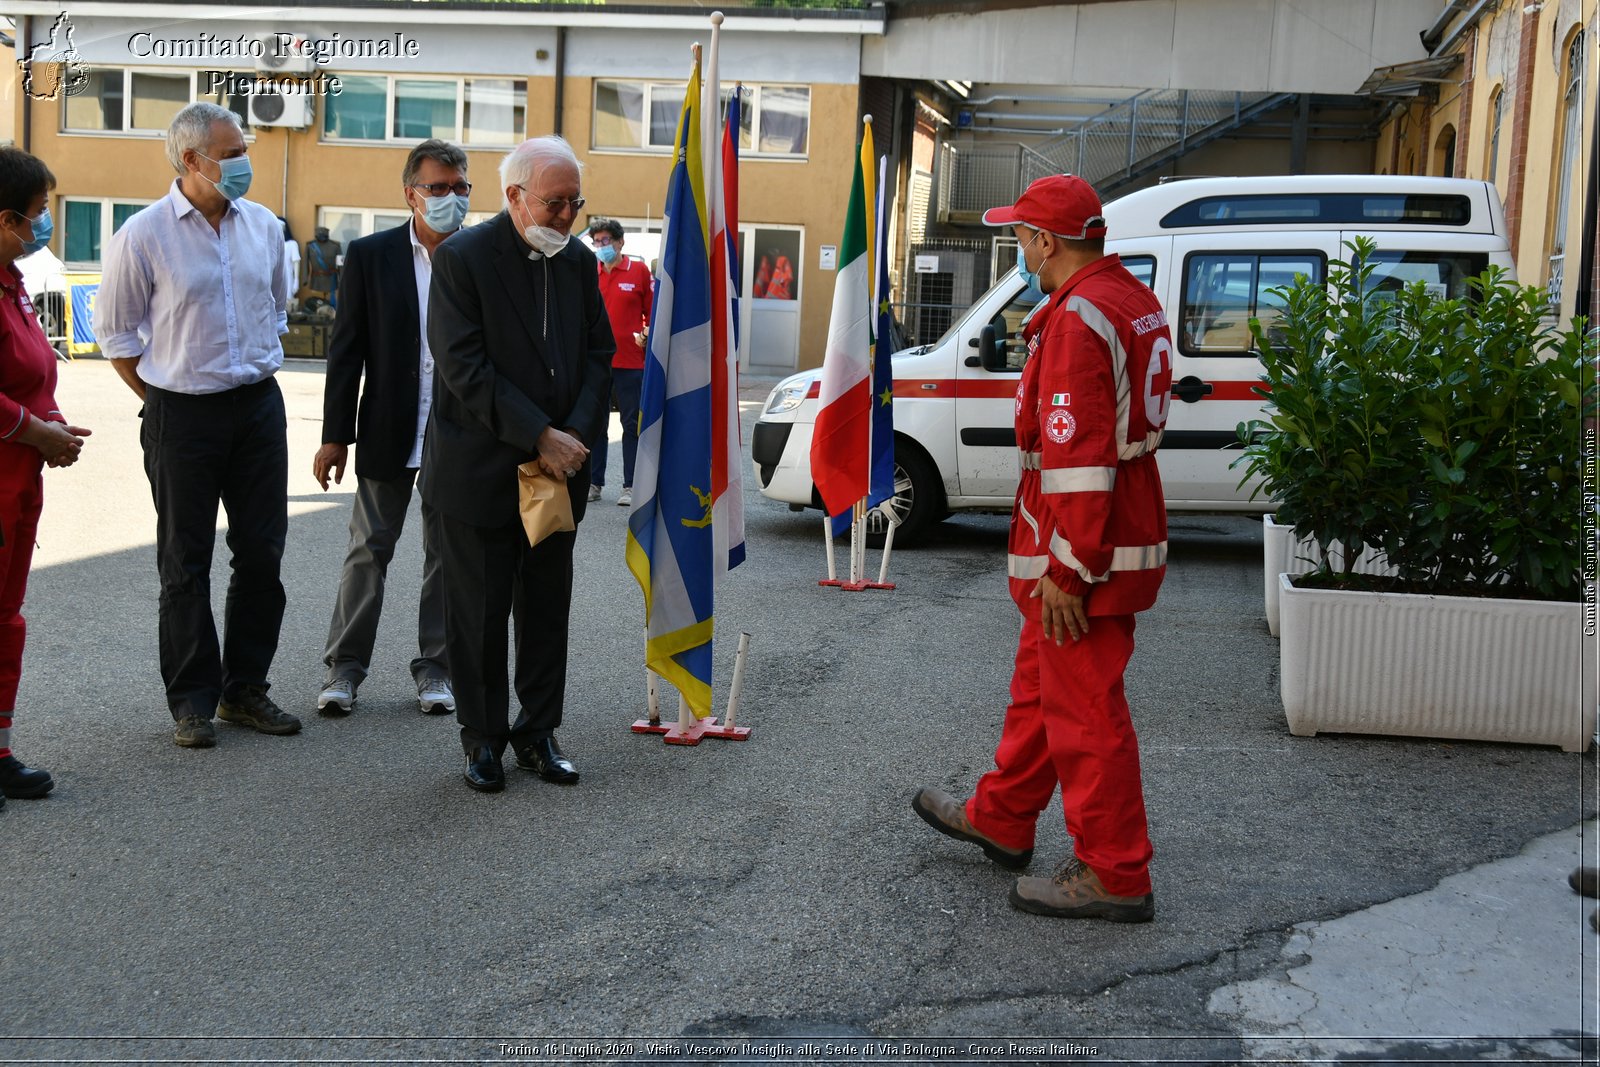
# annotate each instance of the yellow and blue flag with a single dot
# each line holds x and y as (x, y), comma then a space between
(671, 543)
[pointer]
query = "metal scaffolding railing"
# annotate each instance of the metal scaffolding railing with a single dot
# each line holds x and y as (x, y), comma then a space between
(1115, 146)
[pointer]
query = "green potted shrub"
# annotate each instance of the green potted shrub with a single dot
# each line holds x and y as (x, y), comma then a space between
(1443, 434)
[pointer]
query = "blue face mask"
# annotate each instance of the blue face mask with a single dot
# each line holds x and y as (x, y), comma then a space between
(43, 227)
(1032, 294)
(444, 214)
(606, 254)
(236, 175)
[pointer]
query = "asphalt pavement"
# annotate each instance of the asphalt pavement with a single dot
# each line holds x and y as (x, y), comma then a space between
(340, 895)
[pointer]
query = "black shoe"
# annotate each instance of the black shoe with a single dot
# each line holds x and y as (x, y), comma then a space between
(20, 782)
(544, 758)
(192, 731)
(253, 708)
(484, 772)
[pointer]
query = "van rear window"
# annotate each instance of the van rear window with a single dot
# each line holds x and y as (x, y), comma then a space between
(1433, 209)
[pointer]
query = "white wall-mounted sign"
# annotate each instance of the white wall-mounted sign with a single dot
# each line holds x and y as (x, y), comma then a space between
(928, 264)
(828, 257)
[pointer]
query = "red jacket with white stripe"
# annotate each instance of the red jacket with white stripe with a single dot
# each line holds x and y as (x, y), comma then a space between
(1091, 408)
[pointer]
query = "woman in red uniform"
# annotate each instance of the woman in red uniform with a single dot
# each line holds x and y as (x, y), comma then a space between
(32, 433)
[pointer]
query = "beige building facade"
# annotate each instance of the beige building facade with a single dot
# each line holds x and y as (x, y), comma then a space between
(1507, 95)
(330, 151)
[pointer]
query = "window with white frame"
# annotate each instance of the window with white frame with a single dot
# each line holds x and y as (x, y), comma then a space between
(385, 108)
(642, 116)
(141, 101)
(345, 224)
(88, 222)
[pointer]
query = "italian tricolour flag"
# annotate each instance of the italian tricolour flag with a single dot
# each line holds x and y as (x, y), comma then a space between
(841, 443)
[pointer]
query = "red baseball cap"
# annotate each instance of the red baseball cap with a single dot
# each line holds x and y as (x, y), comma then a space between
(1064, 204)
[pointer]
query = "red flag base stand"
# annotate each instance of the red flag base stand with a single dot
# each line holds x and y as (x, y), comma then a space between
(691, 731)
(698, 731)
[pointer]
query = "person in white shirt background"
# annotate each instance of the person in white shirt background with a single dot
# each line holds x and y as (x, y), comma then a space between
(193, 299)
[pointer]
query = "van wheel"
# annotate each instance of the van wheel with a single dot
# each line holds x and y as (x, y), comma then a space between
(918, 499)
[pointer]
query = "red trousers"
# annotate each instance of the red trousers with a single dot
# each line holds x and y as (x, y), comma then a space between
(21, 499)
(1068, 724)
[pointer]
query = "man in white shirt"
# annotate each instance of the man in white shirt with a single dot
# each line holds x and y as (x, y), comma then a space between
(192, 301)
(382, 331)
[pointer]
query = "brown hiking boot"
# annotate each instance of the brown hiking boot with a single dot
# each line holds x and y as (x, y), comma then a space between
(1075, 892)
(253, 708)
(948, 815)
(1585, 880)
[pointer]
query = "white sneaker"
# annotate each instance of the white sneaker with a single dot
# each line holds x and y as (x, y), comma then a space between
(594, 493)
(337, 697)
(435, 697)
(626, 499)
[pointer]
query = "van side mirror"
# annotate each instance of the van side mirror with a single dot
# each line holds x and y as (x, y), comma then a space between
(990, 354)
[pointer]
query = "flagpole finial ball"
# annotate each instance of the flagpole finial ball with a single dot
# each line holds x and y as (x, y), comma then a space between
(716, 18)
(867, 119)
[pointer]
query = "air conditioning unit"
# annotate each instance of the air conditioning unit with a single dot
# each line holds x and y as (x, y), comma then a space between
(285, 53)
(278, 107)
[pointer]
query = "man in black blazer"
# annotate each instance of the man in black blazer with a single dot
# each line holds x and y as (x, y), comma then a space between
(380, 331)
(522, 347)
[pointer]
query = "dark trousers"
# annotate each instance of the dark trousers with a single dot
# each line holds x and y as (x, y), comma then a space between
(201, 450)
(490, 573)
(375, 524)
(625, 385)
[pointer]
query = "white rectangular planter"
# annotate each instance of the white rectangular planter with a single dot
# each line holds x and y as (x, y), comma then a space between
(1436, 666)
(1282, 555)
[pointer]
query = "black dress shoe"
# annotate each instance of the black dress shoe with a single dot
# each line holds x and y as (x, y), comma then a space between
(484, 772)
(23, 783)
(544, 758)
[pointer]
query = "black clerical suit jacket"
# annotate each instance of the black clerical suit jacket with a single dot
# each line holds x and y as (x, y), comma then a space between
(503, 371)
(378, 333)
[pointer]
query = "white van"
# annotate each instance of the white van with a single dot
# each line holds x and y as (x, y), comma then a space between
(1212, 249)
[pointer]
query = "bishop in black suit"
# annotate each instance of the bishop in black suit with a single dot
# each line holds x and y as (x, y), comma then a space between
(522, 351)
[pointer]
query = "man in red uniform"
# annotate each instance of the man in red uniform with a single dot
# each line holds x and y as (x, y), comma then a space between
(1088, 549)
(625, 285)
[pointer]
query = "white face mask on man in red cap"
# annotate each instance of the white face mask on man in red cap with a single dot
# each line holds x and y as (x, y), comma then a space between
(1060, 208)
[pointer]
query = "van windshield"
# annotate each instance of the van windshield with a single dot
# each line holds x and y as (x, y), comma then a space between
(1014, 311)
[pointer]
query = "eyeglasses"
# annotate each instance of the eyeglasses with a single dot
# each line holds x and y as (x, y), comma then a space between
(440, 188)
(600, 240)
(560, 204)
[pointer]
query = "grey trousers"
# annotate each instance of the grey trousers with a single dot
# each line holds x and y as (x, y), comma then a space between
(375, 524)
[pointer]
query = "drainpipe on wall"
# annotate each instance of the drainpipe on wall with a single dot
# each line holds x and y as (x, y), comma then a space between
(561, 75)
(24, 45)
(283, 196)
(1583, 302)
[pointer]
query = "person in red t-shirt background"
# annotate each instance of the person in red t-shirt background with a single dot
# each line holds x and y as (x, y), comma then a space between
(32, 434)
(625, 286)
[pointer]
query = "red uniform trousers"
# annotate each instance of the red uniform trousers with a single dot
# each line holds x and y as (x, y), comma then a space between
(21, 499)
(1068, 723)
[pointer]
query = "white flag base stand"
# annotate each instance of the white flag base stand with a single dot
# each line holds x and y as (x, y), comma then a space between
(691, 731)
(858, 551)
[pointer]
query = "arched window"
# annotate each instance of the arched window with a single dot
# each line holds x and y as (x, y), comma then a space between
(1571, 156)
(1444, 153)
